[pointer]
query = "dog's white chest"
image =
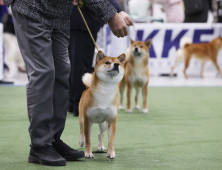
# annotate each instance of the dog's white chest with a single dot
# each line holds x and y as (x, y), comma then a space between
(103, 108)
(99, 115)
(137, 81)
(138, 78)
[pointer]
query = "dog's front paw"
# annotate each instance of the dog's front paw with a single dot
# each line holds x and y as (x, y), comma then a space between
(145, 111)
(89, 155)
(121, 107)
(137, 106)
(129, 111)
(101, 148)
(111, 155)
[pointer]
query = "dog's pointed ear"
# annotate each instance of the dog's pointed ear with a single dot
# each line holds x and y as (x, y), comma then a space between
(99, 56)
(148, 43)
(131, 41)
(122, 58)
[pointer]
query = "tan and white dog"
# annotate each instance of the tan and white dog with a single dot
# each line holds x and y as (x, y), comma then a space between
(203, 52)
(99, 102)
(136, 74)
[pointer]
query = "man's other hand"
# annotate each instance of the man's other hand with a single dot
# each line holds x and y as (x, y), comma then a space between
(126, 18)
(118, 26)
(75, 2)
(1, 2)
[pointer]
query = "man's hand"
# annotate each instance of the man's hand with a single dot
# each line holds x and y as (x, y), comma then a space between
(118, 26)
(1, 2)
(75, 2)
(126, 18)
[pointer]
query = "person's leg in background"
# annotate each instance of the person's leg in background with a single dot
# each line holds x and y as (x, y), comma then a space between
(10, 43)
(81, 50)
(81, 53)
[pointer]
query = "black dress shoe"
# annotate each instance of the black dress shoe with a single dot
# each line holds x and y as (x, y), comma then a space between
(67, 152)
(46, 155)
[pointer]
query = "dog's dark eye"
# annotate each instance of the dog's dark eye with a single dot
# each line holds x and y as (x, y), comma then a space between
(107, 63)
(141, 46)
(134, 45)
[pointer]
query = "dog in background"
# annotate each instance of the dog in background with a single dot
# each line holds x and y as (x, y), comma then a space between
(136, 74)
(13, 57)
(99, 102)
(202, 52)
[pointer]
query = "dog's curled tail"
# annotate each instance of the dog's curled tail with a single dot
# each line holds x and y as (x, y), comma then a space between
(127, 54)
(185, 42)
(87, 79)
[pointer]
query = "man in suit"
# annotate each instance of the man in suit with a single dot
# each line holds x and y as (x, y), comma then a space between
(81, 49)
(42, 29)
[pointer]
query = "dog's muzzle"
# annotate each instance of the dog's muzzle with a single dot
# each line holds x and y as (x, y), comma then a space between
(115, 68)
(136, 52)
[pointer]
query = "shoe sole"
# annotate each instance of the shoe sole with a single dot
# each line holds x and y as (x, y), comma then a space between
(73, 158)
(32, 159)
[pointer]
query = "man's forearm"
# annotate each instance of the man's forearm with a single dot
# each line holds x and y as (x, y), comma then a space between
(101, 8)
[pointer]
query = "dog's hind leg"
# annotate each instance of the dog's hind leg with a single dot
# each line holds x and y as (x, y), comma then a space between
(178, 60)
(129, 91)
(171, 73)
(111, 134)
(214, 61)
(102, 128)
(201, 71)
(81, 135)
(121, 90)
(87, 132)
(137, 106)
(173, 67)
(187, 61)
(145, 93)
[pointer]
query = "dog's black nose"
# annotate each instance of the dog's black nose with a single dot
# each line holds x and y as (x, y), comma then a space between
(136, 49)
(116, 64)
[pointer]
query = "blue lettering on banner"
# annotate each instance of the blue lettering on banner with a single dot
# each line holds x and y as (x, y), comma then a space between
(168, 43)
(153, 34)
(198, 33)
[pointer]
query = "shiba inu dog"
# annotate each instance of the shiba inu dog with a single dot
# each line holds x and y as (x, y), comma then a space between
(202, 52)
(136, 74)
(99, 102)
